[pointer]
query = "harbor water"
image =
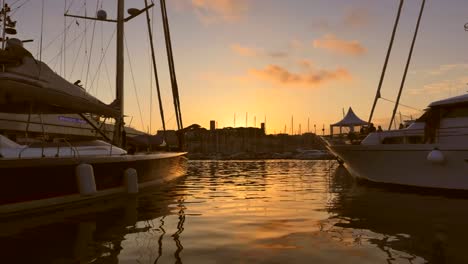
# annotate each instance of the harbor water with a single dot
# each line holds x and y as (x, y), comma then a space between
(278, 211)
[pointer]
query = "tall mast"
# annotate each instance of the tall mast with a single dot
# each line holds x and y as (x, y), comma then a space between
(4, 13)
(118, 138)
(389, 50)
(119, 122)
(402, 84)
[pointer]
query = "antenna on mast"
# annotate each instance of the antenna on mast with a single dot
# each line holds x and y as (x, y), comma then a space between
(118, 138)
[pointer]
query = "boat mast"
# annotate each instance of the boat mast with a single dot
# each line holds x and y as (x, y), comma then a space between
(118, 138)
(119, 122)
(407, 65)
(389, 50)
(4, 13)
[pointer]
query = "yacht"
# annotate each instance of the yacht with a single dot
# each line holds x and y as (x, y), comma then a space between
(431, 152)
(40, 171)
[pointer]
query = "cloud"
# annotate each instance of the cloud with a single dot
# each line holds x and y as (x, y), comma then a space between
(310, 77)
(354, 18)
(211, 11)
(452, 87)
(444, 68)
(278, 54)
(254, 52)
(245, 51)
(333, 44)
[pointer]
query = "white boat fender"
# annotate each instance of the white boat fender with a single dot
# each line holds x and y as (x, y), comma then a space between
(436, 156)
(85, 179)
(131, 180)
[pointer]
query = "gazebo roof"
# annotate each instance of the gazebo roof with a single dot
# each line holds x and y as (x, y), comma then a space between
(351, 119)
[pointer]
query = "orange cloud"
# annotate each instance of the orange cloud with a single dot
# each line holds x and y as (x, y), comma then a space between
(333, 44)
(220, 10)
(310, 77)
(244, 51)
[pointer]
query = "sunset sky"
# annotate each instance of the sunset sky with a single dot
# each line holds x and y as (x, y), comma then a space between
(268, 58)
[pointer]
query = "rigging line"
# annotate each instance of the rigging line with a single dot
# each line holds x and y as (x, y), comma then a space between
(59, 35)
(78, 52)
(384, 69)
(42, 31)
(134, 84)
(12, 4)
(69, 45)
(69, 6)
(86, 40)
(14, 10)
(153, 57)
(151, 73)
(91, 50)
(62, 55)
(54, 39)
(105, 63)
(407, 106)
(103, 56)
(407, 64)
(65, 28)
(108, 77)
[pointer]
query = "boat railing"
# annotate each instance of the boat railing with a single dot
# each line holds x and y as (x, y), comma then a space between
(21, 152)
(73, 149)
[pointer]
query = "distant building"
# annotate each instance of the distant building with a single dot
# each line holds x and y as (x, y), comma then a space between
(212, 125)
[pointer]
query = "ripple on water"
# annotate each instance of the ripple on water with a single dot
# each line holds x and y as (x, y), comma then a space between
(251, 212)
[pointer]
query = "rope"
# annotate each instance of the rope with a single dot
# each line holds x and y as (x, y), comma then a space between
(64, 39)
(77, 53)
(134, 84)
(71, 43)
(86, 41)
(102, 58)
(91, 49)
(407, 106)
(151, 75)
(69, 6)
(14, 10)
(42, 31)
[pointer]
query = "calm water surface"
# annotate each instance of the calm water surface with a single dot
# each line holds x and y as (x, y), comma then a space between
(250, 212)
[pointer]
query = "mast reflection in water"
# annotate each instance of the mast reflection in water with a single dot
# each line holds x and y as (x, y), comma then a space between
(249, 212)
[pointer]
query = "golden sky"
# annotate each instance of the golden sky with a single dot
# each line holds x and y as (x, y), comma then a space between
(272, 59)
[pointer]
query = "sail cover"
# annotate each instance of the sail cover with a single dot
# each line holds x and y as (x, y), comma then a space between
(30, 86)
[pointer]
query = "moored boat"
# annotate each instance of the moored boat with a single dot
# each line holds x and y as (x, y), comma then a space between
(49, 172)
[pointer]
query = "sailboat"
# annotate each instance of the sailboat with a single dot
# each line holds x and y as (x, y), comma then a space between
(432, 152)
(46, 174)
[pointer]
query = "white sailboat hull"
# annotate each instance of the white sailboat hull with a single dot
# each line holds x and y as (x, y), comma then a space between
(407, 164)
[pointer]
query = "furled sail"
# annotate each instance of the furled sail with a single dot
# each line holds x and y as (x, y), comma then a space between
(30, 86)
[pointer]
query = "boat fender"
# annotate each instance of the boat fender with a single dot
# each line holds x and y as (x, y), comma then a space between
(131, 180)
(85, 179)
(436, 156)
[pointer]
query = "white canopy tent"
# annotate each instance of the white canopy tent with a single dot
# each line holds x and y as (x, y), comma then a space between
(350, 121)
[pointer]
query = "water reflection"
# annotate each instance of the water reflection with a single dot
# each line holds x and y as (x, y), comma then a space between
(403, 224)
(250, 212)
(98, 236)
